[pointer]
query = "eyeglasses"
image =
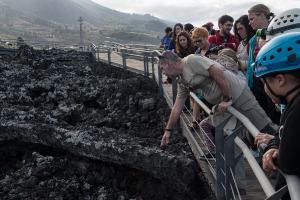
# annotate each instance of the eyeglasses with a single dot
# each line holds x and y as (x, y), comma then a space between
(197, 41)
(240, 29)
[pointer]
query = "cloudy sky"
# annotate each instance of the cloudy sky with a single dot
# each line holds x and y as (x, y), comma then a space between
(196, 12)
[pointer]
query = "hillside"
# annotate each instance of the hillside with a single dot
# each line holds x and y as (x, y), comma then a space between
(63, 14)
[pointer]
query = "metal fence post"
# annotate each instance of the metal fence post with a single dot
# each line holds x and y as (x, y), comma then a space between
(220, 162)
(230, 163)
(160, 88)
(144, 55)
(124, 59)
(93, 53)
(153, 75)
(174, 93)
(147, 64)
(109, 57)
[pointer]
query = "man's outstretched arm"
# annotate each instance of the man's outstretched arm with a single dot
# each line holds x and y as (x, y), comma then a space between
(174, 116)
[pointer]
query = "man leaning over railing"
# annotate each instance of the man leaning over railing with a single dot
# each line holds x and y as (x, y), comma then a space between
(217, 85)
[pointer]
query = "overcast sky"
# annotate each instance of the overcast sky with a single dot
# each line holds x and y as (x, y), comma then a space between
(196, 12)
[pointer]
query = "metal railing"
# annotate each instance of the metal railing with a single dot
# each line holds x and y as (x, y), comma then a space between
(225, 160)
(144, 55)
(44, 44)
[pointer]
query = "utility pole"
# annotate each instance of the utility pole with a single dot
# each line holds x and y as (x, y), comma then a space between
(80, 20)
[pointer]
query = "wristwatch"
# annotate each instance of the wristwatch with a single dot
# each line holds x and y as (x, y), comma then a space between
(226, 98)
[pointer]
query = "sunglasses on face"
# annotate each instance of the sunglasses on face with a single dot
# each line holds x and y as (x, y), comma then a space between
(240, 29)
(197, 41)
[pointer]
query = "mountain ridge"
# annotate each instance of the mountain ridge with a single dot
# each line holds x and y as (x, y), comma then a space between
(61, 16)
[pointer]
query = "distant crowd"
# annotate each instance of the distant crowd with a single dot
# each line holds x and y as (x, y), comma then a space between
(263, 54)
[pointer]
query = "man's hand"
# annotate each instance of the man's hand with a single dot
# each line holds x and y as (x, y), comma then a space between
(262, 138)
(222, 107)
(166, 138)
(267, 160)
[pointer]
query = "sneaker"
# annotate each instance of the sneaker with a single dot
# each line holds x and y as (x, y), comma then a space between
(273, 174)
(208, 156)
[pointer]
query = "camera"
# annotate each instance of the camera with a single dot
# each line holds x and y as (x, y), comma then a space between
(215, 50)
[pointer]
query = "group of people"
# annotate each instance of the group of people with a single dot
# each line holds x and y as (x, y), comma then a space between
(251, 70)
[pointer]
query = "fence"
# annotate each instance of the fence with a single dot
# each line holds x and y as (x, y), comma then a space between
(224, 183)
(15, 44)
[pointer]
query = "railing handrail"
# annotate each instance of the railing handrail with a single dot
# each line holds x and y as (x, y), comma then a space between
(121, 48)
(293, 181)
(263, 180)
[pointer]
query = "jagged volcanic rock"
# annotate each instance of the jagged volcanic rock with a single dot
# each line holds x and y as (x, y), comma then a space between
(94, 114)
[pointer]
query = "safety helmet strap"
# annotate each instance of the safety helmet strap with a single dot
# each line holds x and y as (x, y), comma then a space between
(281, 97)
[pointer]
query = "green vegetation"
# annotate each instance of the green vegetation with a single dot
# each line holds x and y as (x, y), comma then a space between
(56, 20)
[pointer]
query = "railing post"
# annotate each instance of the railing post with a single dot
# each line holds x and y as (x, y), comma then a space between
(124, 59)
(97, 54)
(93, 53)
(220, 162)
(153, 75)
(108, 56)
(144, 59)
(231, 162)
(174, 93)
(160, 88)
(147, 64)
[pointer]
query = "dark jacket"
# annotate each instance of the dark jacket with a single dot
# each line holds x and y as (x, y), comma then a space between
(287, 138)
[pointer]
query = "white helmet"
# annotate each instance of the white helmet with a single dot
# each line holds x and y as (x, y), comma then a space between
(285, 22)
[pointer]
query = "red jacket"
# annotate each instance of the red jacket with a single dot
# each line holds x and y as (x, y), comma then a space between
(217, 40)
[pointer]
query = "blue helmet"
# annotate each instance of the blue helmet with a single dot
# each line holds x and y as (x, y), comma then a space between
(279, 54)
